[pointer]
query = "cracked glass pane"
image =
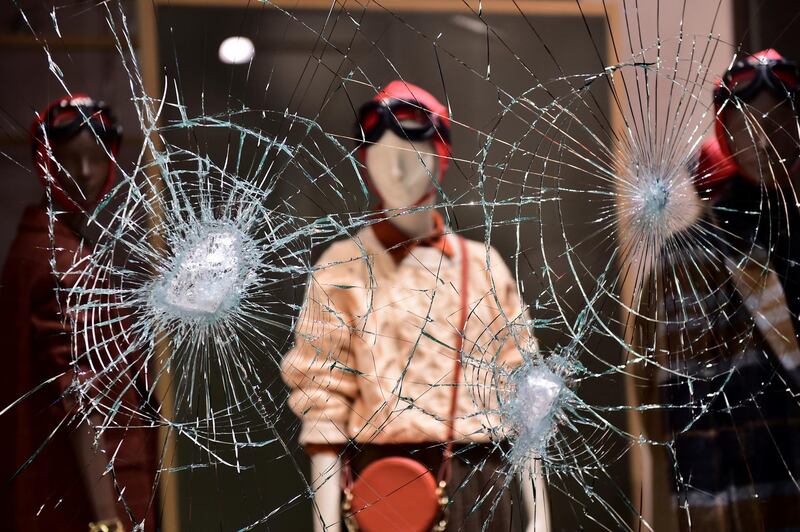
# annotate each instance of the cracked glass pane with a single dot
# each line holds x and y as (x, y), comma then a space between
(452, 265)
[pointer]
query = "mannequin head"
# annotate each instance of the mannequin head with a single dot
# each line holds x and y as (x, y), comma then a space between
(757, 118)
(82, 170)
(405, 150)
(81, 133)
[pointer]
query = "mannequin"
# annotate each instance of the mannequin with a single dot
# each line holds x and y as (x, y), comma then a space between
(69, 485)
(399, 170)
(746, 176)
(403, 174)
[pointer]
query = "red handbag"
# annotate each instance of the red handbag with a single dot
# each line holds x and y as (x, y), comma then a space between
(395, 493)
(399, 493)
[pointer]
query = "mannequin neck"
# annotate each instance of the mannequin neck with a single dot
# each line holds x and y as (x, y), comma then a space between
(416, 224)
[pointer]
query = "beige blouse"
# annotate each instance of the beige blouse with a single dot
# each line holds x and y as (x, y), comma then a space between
(373, 359)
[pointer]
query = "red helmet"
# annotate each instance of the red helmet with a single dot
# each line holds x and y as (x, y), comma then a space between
(62, 120)
(397, 102)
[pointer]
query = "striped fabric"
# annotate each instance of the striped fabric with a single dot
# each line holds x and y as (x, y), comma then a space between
(725, 365)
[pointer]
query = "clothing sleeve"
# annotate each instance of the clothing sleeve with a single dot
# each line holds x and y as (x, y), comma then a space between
(65, 338)
(319, 369)
(679, 324)
(53, 326)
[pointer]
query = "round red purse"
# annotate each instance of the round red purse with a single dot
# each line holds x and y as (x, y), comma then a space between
(399, 493)
(395, 493)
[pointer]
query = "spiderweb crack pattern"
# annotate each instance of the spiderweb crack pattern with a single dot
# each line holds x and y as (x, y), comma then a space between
(629, 275)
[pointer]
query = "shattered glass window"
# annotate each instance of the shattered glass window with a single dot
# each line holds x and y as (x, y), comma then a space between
(585, 318)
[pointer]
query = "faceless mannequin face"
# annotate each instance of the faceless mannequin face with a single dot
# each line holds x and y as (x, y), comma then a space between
(764, 139)
(84, 167)
(402, 171)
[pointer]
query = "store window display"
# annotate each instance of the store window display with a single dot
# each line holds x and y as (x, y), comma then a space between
(400, 324)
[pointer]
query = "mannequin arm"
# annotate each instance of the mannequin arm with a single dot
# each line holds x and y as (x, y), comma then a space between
(641, 459)
(534, 493)
(92, 464)
(647, 485)
(326, 473)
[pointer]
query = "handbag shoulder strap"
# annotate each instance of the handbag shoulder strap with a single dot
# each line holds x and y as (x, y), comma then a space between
(445, 470)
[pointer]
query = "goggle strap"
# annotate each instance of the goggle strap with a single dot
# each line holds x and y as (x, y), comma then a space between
(377, 116)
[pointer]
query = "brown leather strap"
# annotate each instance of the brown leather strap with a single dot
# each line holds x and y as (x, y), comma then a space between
(446, 469)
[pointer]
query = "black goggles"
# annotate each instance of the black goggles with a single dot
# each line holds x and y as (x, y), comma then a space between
(749, 77)
(375, 117)
(65, 120)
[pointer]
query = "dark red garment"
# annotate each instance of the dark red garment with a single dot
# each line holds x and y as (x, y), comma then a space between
(49, 494)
